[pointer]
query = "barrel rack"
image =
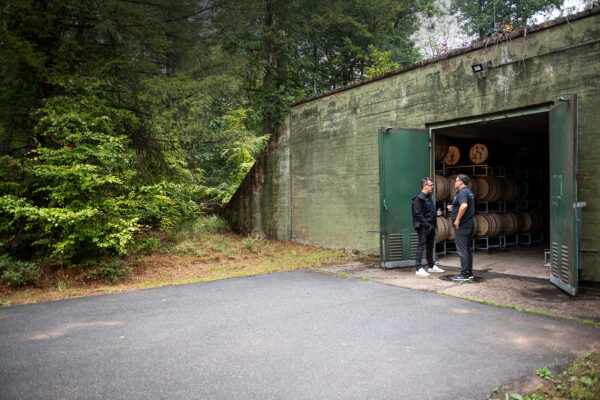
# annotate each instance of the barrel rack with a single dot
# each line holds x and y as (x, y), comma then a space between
(501, 241)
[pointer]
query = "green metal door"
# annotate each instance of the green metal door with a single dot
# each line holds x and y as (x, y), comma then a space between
(564, 248)
(404, 159)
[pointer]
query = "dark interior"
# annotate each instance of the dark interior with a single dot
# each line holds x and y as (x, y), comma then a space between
(518, 147)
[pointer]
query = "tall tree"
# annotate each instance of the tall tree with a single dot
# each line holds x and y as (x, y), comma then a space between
(485, 17)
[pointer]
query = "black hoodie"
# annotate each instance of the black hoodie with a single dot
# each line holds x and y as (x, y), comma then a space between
(423, 211)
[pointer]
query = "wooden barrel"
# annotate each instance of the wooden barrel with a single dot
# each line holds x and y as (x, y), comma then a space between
(537, 221)
(451, 232)
(442, 188)
(490, 225)
(489, 188)
(452, 178)
(526, 220)
(531, 221)
(478, 153)
(512, 223)
(452, 156)
(441, 148)
(512, 188)
(443, 229)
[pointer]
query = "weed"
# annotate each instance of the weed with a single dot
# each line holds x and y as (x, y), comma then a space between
(62, 286)
(250, 244)
(578, 381)
(185, 248)
(198, 227)
(544, 373)
(366, 278)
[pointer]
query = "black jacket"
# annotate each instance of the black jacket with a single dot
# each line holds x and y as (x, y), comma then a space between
(423, 211)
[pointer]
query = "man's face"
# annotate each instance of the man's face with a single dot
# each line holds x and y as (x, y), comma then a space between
(457, 183)
(428, 188)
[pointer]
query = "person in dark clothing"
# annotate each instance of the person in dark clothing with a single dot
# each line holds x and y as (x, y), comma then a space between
(424, 221)
(462, 213)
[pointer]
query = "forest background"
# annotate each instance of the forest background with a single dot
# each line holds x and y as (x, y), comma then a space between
(123, 116)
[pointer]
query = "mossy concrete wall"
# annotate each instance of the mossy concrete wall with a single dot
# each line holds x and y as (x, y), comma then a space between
(330, 141)
(261, 206)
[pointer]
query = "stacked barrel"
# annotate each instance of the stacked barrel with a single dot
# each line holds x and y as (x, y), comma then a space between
(485, 188)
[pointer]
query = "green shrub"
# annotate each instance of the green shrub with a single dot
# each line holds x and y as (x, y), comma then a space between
(212, 224)
(192, 229)
(145, 245)
(80, 193)
(113, 271)
(19, 273)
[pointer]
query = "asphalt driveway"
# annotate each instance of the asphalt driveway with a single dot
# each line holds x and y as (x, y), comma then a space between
(291, 335)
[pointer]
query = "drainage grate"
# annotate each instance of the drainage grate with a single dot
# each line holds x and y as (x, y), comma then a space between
(448, 278)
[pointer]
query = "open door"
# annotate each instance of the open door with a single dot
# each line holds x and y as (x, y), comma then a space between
(404, 159)
(564, 247)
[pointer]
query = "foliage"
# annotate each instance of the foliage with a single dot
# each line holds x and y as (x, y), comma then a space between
(487, 17)
(544, 373)
(381, 63)
(120, 116)
(198, 227)
(19, 273)
(113, 272)
(578, 381)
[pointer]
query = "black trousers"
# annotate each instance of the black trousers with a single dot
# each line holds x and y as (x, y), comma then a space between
(462, 238)
(426, 241)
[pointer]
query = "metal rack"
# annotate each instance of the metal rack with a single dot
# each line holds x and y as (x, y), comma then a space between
(486, 243)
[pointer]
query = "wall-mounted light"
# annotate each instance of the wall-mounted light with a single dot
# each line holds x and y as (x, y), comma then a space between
(477, 68)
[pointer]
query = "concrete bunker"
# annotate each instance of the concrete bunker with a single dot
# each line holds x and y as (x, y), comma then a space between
(535, 108)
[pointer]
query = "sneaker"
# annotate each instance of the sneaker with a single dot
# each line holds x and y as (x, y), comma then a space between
(435, 268)
(460, 277)
(421, 272)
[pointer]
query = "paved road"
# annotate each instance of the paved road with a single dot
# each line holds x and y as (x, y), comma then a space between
(293, 335)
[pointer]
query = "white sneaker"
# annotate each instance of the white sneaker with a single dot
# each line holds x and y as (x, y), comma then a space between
(435, 268)
(421, 272)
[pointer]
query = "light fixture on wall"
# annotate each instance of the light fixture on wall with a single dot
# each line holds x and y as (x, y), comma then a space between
(479, 67)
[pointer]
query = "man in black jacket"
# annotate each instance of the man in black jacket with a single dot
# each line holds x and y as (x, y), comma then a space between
(424, 221)
(463, 211)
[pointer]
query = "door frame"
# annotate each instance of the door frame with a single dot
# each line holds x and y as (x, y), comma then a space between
(542, 108)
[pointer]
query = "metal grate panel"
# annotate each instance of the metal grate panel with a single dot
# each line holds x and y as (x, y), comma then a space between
(414, 240)
(395, 247)
(564, 262)
(554, 260)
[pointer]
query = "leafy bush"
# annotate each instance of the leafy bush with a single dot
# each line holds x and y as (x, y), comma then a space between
(80, 193)
(195, 228)
(19, 273)
(144, 245)
(113, 271)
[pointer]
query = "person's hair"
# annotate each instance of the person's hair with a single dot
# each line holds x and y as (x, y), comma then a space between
(464, 179)
(425, 180)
